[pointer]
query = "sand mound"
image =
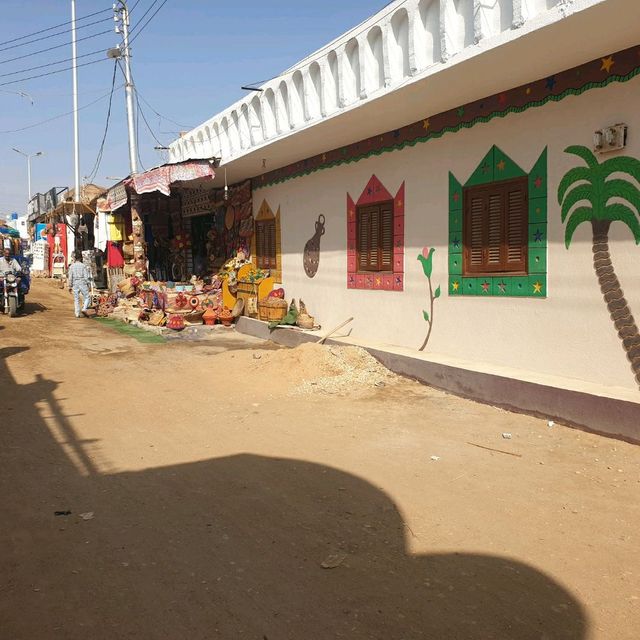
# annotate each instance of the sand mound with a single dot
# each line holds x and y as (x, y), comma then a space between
(313, 368)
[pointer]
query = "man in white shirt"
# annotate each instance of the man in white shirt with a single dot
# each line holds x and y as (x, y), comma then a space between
(9, 264)
(78, 279)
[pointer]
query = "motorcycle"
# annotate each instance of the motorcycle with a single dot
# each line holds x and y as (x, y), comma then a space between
(14, 288)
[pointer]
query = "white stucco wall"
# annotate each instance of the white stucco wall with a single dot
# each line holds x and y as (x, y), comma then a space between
(568, 334)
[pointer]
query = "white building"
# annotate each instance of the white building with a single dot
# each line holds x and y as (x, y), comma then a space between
(465, 127)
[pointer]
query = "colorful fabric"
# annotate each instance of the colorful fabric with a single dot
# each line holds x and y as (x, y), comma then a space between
(161, 178)
(115, 225)
(115, 257)
(116, 197)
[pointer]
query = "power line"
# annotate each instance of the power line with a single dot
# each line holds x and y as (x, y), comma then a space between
(58, 46)
(51, 73)
(182, 126)
(142, 28)
(96, 165)
(61, 115)
(51, 64)
(141, 112)
(56, 26)
(53, 35)
(144, 15)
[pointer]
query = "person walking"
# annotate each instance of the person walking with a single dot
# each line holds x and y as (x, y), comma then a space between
(78, 279)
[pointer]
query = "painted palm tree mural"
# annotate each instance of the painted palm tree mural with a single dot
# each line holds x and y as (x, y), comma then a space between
(604, 199)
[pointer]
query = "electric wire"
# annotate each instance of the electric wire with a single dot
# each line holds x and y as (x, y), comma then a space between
(56, 26)
(182, 126)
(51, 64)
(144, 15)
(51, 73)
(53, 35)
(60, 115)
(141, 112)
(96, 166)
(58, 46)
(142, 28)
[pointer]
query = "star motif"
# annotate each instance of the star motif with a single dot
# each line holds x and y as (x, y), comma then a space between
(528, 91)
(396, 133)
(378, 281)
(352, 213)
(455, 242)
(455, 285)
(485, 168)
(607, 63)
(485, 286)
(460, 112)
(537, 236)
(537, 287)
(502, 99)
(502, 286)
(399, 202)
(551, 83)
(538, 182)
(456, 196)
(324, 157)
(426, 124)
(501, 165)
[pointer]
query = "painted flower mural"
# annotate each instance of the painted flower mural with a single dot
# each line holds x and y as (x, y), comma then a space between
(426, 259)
(593, 187)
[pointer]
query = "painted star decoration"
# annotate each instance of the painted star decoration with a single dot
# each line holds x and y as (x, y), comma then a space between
(607, 63)
(551, 83)
(537, 287)
(460, 112)
(537, 236)
(502, 286)
(455, 285)
(501, 165)
(455, 242)
(456, 196)
(538, 182)
(426, 124)
(485, 286)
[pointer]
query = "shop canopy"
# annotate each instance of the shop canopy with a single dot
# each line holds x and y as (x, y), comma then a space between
(159, 179)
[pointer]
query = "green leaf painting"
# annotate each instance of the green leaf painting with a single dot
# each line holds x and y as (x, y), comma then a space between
(426, 259)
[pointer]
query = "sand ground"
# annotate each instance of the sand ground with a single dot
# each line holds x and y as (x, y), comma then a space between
(216, 492)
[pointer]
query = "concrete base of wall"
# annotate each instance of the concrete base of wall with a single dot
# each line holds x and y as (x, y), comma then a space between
(605, 415)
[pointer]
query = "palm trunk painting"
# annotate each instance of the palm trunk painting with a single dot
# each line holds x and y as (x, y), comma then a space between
(593, 188)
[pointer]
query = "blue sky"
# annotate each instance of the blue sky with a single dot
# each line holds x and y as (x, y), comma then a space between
(188, 64)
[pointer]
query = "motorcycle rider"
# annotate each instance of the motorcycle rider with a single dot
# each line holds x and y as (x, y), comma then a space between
(9, 264)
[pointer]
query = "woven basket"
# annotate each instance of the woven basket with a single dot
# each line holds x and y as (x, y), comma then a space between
(272, 309)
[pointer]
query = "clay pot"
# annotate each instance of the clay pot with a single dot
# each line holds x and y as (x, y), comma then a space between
(209, 317)
(226, 317)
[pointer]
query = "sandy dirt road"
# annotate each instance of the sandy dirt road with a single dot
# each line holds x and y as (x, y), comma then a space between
(214, 496)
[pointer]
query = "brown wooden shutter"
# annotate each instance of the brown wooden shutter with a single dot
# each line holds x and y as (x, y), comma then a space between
(474, 232)
(364, 239)
(260, 245)
(516, 221)
(494, 230)
(386, 237)
(271, 244)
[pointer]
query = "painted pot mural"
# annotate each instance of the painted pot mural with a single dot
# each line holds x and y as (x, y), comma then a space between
(311, 255)
(593, 187)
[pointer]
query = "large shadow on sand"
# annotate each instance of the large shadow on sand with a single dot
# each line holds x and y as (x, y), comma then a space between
(232, 548)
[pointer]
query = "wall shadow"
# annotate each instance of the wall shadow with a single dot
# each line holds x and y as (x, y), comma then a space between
(232, 548)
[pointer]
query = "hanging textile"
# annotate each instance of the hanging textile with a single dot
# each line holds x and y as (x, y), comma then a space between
(115, 225)
(116, 197)
(161, 178)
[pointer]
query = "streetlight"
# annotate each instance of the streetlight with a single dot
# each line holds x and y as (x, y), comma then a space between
(28, 156)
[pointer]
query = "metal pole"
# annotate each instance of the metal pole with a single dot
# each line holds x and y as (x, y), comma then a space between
(28, 179)
(76, 133)
(129, 89)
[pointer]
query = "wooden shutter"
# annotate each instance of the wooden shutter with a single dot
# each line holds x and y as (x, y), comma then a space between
(386, 237)
(260, 243)
(375, 237)
(364, 239)
(271, 243)
(516, 221)
(495, 228)
(266, 244)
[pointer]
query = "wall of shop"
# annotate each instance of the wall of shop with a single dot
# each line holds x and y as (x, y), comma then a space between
(558, 325)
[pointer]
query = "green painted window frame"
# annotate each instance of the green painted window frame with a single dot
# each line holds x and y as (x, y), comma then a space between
(496, 166)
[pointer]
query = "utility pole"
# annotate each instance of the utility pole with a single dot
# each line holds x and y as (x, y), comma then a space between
(28, 156)
(121, 16)
(76, 132)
